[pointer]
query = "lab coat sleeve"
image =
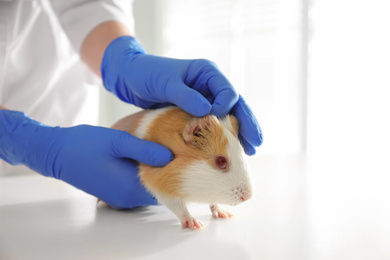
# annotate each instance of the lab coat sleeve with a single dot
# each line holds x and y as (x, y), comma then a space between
(79, 17)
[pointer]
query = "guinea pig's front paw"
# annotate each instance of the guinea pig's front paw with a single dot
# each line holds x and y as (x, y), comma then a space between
(191, 223)
(218, 212)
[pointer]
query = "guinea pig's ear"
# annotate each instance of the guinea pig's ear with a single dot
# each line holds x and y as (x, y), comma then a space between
(196, 128)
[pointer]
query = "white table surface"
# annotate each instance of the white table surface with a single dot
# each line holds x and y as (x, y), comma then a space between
(302, 209)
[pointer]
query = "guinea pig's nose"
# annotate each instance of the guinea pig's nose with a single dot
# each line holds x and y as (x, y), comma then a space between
(242, 193)
(245, 194)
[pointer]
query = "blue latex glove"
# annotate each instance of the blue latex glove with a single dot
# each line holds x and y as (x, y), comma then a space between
(196, 86)
(94, 159)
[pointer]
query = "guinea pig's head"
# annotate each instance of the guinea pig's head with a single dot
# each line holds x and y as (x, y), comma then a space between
(216, 171)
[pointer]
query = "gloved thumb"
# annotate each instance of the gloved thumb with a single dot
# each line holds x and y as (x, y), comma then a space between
(126, 145)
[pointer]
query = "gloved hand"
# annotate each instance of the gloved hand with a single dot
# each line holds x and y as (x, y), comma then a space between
(196, 86)
(94, 159)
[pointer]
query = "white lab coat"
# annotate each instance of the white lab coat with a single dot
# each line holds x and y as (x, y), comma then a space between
(40, 71)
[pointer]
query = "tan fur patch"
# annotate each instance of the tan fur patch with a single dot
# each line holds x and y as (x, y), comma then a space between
(167, 129)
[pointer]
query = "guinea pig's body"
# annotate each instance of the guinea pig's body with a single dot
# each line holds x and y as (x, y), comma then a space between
(208, 165)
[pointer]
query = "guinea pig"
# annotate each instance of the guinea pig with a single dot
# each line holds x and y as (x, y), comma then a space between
(208, 165)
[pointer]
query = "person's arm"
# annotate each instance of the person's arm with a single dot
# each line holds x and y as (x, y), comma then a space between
(97, 160)
(93, 159)
(96, 42)
(99, 32)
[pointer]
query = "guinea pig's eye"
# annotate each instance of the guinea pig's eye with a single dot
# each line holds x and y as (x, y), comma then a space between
(221, 162)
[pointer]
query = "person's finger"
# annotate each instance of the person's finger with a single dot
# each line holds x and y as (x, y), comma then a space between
(248, 148)
(205, 76)
(225, 97)
(128, 146)
(249, 127)
(188, 99)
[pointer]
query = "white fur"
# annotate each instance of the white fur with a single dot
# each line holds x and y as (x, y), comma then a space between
(206, 184)
(148, 118)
